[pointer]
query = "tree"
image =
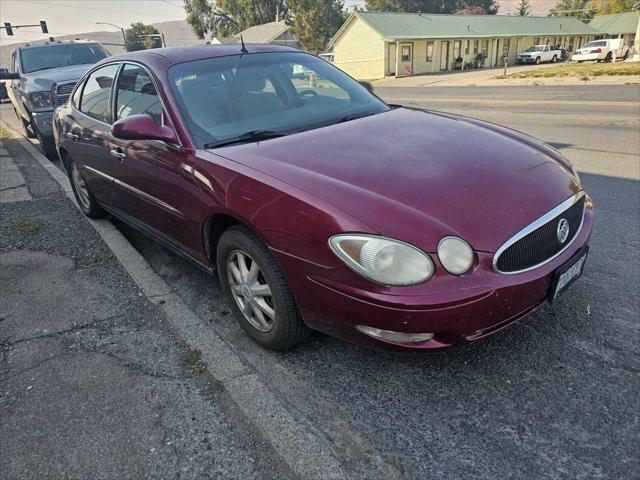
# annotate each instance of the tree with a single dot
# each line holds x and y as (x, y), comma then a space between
(573, 8)
(314, 22)
(226, 17)
(523, 8)
(134, 41)
(604, 7)
(489, 7)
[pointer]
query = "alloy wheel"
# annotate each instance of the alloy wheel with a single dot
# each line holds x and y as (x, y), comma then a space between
(250, 290)
(80, 186)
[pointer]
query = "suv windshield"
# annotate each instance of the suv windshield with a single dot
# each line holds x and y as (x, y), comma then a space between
(249, 97)
(61, 55)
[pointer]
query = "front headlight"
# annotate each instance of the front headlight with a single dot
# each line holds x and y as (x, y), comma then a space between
(383, 260)
(456, 255)
(40, 100)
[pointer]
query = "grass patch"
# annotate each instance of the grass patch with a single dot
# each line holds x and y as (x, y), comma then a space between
(23, 228)
(193, 362)
(4, 133)
(580, 70)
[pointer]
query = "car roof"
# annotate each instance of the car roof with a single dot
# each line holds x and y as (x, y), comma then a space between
(176, 55)
(56, 42)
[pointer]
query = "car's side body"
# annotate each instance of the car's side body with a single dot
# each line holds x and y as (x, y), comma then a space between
(298, 191)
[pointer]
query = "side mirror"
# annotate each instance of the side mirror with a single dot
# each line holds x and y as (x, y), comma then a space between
(367, 85)
(9, 76)
(142, 127)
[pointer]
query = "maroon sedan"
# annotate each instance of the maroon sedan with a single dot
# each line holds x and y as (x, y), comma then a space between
(319, 205)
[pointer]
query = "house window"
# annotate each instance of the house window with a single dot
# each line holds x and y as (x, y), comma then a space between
(485, 48)
(632, 40)
(456, 50)
(507, 43)
(466, 47)
(536, 40)
(406, 54)
(475, 46)
(429, 51)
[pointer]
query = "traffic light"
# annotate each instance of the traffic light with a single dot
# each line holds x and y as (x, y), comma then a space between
(7, 27)
(43, 25)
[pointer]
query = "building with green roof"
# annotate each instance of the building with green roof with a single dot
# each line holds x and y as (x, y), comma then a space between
(619, 25)
(372, 45)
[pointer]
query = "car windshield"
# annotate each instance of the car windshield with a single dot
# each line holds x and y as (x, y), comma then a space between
(62, 55)
(535, 48)
(248, 97)
(595, 44)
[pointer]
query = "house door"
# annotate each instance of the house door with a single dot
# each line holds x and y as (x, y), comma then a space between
(391, 59)
(496, 52)
(406, 59)
(444, 56)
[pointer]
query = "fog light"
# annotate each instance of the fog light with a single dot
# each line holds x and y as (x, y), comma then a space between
(400, 337)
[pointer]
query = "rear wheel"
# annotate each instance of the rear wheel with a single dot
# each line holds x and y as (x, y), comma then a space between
(86, 201)
(608, 58)
(258, 291)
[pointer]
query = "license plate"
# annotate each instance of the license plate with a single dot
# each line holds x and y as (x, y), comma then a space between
(568, 273)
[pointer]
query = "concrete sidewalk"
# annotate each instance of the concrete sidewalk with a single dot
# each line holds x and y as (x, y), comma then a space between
(93, 384)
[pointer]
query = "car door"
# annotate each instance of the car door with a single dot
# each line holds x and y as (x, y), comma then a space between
(153, 177)
(86, 133)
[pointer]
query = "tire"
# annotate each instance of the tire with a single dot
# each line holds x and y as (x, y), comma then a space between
(86, 201)
(285, 327)
(48, 146)
(626, 55)
(24, 126)
(537, 61)
(608, 58)
(554, 59)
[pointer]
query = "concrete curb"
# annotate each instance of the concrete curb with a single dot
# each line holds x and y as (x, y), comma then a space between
(308, 454)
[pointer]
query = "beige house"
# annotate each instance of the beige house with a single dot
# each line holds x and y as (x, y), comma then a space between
(372, 45)
(277, 33)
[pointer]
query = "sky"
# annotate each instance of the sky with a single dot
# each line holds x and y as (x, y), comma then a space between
(80, 16)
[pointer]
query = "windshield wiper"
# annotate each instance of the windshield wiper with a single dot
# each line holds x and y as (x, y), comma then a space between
(348, 118)
(252, 136)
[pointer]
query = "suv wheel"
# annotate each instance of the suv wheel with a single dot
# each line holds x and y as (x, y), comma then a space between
(47, 145)
(25, 126)
(86, 201)
(259, 293)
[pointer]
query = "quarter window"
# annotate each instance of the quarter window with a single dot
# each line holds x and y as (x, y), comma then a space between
(136, 94)
(96, 93)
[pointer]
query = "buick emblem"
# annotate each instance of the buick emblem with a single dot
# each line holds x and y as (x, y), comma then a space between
(563, 230)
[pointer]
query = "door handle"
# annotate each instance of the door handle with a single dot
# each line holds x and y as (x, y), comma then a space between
(72, 136)
(117, 154)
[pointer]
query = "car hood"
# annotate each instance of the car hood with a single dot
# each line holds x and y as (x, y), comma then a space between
(418, 176)
(44, 79)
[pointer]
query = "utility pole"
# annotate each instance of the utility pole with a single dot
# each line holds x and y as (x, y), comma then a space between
(124, 37)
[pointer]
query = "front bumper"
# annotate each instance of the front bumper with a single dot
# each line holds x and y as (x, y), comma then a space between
(473, 306)
(526, 60)
(43, 122)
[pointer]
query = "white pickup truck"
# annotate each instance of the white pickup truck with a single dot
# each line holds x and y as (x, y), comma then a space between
(604, 50)
(539, 54)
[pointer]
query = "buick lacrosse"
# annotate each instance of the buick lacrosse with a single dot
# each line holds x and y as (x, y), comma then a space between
(319, 205)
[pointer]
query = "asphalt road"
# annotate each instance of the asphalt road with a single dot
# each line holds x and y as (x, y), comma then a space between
(555, 396)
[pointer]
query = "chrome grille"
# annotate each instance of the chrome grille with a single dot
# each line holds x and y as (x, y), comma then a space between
(539, 243)
(62, 92)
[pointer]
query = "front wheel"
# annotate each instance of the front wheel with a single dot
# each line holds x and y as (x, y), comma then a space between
(258, 291)
(25, 126)
(48, 146)
(554, 59)
(537, 61)
(84, 197)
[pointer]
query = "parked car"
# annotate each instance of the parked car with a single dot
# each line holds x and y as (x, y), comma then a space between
(43, 76)
(604, 50)
(539, 54)
(325, 208)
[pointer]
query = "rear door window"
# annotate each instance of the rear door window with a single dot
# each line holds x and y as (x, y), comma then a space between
(96, 95)
(136, 94)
